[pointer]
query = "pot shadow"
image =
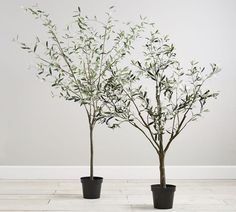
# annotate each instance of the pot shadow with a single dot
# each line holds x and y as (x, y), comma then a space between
(146, 207)
(68, 196)
(143, 207)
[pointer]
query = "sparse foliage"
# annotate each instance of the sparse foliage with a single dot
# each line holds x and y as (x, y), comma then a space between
(172, 99)
(79, 62)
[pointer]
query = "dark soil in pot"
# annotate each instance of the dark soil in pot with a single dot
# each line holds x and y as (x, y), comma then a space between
(91, 188)
(163, 197)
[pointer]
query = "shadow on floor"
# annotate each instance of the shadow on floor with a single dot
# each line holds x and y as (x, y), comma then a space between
(68, 196)
(142, 207)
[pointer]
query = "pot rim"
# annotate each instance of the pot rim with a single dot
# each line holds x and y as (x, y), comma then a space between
(169, 187)
(95, 178)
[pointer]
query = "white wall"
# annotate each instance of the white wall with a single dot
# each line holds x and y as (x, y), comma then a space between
(36, 129)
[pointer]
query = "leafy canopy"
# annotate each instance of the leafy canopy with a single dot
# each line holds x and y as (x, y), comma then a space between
(172, 98)
(79, 62)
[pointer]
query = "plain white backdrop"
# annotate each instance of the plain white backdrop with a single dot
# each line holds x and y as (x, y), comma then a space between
(36, 129)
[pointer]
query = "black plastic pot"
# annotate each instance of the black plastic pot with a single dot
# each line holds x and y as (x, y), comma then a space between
(91, 188)
(163, 197)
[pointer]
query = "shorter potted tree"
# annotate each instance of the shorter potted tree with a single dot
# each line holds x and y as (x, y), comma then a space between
(78, 64)
(172, 99)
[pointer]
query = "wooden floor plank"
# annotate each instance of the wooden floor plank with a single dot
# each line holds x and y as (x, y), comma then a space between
(117, 195)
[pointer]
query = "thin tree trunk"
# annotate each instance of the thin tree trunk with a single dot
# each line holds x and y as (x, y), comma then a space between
(91, 151)
(162, 170)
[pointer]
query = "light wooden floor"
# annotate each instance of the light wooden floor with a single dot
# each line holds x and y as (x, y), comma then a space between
(117, 195)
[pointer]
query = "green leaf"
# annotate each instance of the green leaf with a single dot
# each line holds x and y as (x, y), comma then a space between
(35, 47)
(139, 64)
(150, 123)
(25, 47)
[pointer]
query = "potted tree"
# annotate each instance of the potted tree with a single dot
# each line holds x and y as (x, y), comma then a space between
(172, 98)
(78, 64)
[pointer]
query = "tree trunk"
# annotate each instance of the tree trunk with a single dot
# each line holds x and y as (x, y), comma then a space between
(91, 151)
(162, 170)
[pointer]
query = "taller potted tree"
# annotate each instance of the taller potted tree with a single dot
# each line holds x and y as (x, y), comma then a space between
(78, 64)
(172, 99)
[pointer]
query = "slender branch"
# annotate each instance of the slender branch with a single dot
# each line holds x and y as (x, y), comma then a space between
(52, 64)
(67, 87)
(140, 115)
(186, 123)
(103, 49)
(68, 64)
(156, 148)
(183, 119)
(173, 125)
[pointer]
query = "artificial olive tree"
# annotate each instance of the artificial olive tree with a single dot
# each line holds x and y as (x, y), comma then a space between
(158, 97)
(79, 62)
